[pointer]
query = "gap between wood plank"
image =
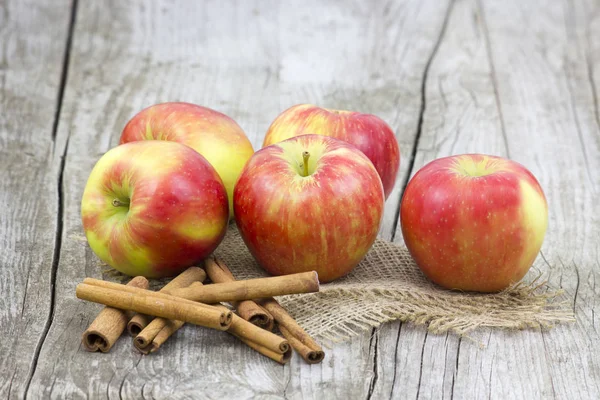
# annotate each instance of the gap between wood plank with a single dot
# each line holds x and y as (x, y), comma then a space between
(421, 366)
(455, 375)
(63, 76)
(374, 338)
(410, 170)
(395, 358)
(488, 51)
(59, 216)
(413, 154)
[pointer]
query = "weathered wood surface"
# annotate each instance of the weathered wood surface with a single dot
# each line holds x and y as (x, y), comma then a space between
(33, 39)
(517, 79)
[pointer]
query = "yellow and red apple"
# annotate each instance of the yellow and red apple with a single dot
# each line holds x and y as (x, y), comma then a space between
(213, 134)
(309, 203)
(474, 222)
(369, 133)
(153, 208)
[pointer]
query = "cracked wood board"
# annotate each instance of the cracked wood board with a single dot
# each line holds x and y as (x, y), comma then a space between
(126, 56)
(438, 88)
(32, 46)
(498, 84)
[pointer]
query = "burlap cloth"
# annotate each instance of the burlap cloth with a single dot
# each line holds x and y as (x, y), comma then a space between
(387, 285)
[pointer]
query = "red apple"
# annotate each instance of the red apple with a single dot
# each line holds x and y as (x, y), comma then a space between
(474, 222)
(153, 209)
(310, 203)
(214, 135)
(368, 133)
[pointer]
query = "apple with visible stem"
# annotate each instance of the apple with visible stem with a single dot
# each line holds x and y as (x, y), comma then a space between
(369, 133)
(474, 222)
(153, 208)
(213, 134)
(309, 203)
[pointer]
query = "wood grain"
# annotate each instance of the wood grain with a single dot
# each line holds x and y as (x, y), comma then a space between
(32, 45)
(551, 126)
(516, 79)
(251, 66)
(517, 87)
(460, 116)
(127, 56)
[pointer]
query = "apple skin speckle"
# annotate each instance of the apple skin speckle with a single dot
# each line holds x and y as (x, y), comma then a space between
(474, 222)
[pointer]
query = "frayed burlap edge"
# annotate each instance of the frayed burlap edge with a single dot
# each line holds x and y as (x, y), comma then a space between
(516, 308)
(387, 286)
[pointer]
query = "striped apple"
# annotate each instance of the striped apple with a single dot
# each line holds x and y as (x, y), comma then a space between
(474, 222)
(153, 208)
(369, 133)
(214, 135)
(310, 203)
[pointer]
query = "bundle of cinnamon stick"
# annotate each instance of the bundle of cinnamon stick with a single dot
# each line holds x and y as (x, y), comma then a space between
(186, 300)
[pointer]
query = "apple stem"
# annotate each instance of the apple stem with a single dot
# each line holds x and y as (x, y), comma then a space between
(305, 155)
(119, 203)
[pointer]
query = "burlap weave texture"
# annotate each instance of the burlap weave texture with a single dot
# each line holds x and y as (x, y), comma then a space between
(387, 285)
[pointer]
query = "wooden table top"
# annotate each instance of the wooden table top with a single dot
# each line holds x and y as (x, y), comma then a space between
(515, 78)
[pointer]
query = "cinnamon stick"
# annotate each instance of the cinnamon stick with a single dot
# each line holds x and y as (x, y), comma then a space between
(143, 292)
(276, 342)
(218, 272)
(281, 358)
(244, 329)
(143, 340)
(310, 355)
(109, 324)
(263, 341)
(139, 321)
(304, 282)
(301, 341)
(156, 339)
(158, 331)
(164, 306)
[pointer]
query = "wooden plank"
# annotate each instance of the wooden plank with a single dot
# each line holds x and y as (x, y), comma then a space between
(32, 45)
(548, 107)
(250, 60)
(514, 80)
(460, 116)
(547, 104)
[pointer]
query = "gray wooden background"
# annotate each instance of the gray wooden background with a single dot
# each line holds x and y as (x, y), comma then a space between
(516, 78)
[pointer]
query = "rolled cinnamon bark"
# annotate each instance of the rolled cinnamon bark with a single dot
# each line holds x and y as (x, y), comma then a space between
(193, 274)
(158, 338)
(169, 329)
(263, 341)
(281, 358)
(275, 343)
(301, 341)
(109, 324)
(310, 355)
(218, 272)
(143, 292)
(159, 330)
(144, 339)
(305, 282)
(244, 329)
(164, 306)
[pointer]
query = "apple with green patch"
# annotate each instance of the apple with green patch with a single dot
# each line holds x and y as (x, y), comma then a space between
(310, 203)
(213, 134)
(474, 222)
(153, 208)
(367, 132)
